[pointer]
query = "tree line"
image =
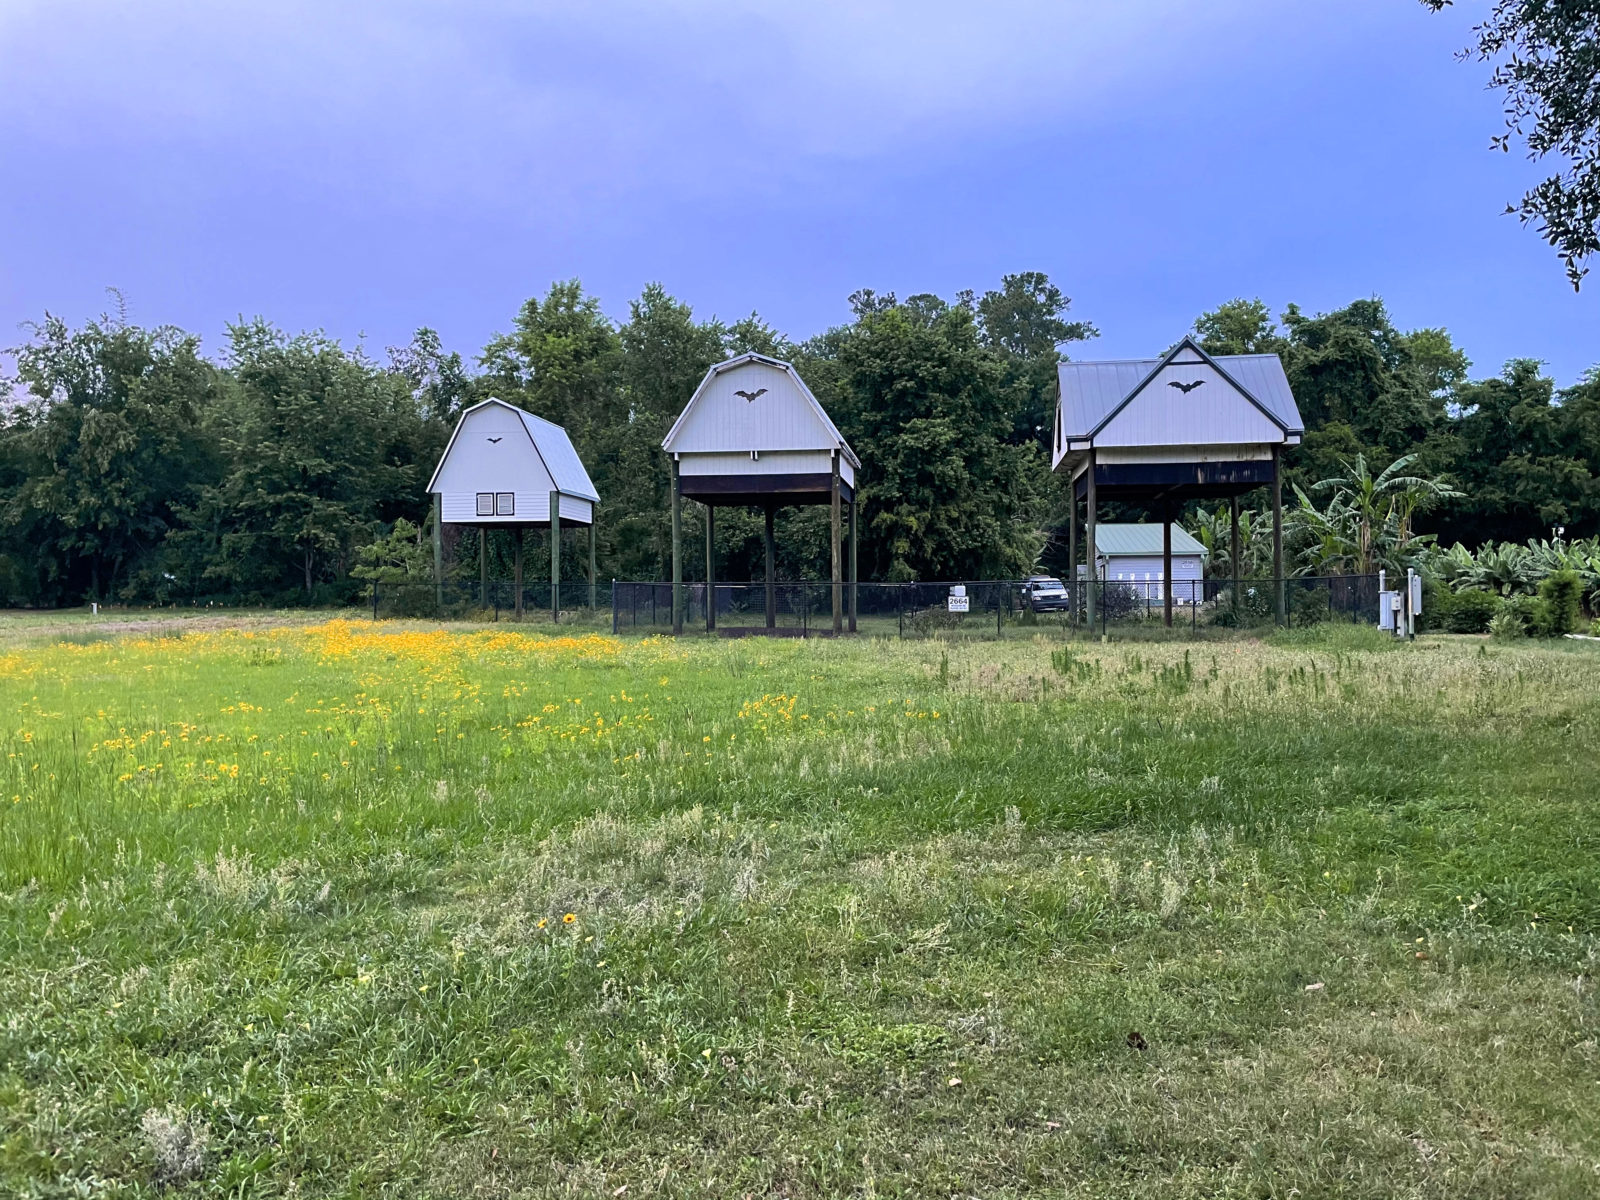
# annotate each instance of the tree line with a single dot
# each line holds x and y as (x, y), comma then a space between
(137, 468)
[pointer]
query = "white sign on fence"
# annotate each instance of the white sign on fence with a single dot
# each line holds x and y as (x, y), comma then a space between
(958, 603)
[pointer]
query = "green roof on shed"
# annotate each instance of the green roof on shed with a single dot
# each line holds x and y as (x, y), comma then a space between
(1142, 540)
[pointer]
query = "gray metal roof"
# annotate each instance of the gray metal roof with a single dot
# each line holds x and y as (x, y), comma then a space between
(560, 456)
(1142, 540)
(1092, 391)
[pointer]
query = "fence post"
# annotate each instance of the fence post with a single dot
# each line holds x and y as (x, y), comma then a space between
(374, 599)
(900, 608)
(999, 617)
(613, 608)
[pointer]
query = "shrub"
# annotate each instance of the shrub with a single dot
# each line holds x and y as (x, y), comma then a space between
(1467, 612)
(1255, 605)
(1506, 626)
(1559, 606)
(1309, 606)
(177, 1143)
(1121, 601)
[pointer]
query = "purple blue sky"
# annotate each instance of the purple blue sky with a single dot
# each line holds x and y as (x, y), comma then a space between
(371, 166)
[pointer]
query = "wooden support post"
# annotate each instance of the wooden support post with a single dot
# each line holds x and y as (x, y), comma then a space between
(1277, 536)
(516, 570)
(483, 566)
(1166, 568)
(833, 538)
(855, 529)
(593, 587)
(1091, 600)
(677, 552)
(772, 571)
(1072, 553)
(1237, 564)
(438, 550)
(711, 567)
(555, 557)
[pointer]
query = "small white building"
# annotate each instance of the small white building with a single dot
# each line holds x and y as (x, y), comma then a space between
(507, 468)
(753, 435)
(1134, 555)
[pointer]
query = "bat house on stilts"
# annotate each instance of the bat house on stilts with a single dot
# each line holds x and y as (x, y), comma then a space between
(505, 468)
(753, 435)
(1163, 431)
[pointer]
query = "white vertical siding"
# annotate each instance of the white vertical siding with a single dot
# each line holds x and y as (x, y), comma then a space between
(769, 462)
(781, 417)
(1144, 572)
(461, 508)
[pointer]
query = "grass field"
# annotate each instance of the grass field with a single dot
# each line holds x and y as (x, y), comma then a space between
(349, 910)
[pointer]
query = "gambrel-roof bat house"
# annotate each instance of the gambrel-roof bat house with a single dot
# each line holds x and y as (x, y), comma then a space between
(1162, 431)
(505, 467)
(754, 435)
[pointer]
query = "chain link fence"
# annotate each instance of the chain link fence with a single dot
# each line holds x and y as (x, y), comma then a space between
(497, 602)
(987, 608)
(975, 608)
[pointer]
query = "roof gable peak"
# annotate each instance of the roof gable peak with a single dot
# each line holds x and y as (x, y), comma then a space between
(1187, 351)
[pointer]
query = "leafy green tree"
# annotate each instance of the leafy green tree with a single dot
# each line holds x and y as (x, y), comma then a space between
(1526, 459)
(107, 451)
(561, 360)
(441, 384)
(665, 354)
(752, 335)
(399, 556)
(1238, 327)
(1354, 367)
(321, 446)
(921, 398)
(1025, 323)
(1546, 56)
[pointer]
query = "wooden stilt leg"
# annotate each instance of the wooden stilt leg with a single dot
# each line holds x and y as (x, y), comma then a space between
(555, 557)
(837, 575)
(677, 553)
(772, 572)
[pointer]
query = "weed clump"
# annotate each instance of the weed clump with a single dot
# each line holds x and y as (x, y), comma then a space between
(178, 1144)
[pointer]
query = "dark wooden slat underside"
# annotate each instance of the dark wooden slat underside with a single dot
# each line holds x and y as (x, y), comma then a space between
(1176, 481)
(761, 489)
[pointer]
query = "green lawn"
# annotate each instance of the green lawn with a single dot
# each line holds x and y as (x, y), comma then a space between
(345, 910)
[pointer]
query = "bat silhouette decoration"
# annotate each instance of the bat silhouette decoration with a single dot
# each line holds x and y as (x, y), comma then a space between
(492, 440)
(1186, 388)
(750, 396)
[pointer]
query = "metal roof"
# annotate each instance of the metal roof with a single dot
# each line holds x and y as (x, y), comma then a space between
(1092, 392)
(560, 456)
(1142, 540)
(550, 442)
